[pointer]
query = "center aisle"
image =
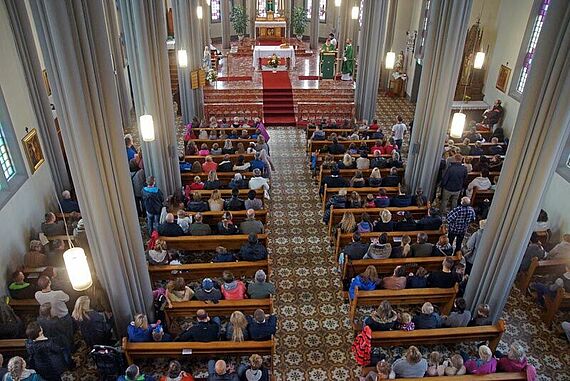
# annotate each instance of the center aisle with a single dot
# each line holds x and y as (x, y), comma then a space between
(313, 335)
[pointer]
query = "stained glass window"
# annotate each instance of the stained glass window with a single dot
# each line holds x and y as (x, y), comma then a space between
(215, 11)
(322, 10)
(5, 159)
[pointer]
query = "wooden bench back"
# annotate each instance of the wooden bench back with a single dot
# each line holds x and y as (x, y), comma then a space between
(362, 192)
(219, 158)
(14, 347)
(212, 218)
(349, 173)
(554, 304)
(224, 177)
(537, 267)
(479, 196)
(196, 272)
(224, 308)
(210, 242)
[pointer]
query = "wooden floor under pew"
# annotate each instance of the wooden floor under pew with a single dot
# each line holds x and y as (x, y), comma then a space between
(195, 272)
(210, 242)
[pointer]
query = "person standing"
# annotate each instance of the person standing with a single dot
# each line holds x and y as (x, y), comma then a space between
(458, 221)
(347, 61)
(398, 131)
(152, 201)
(452, 182)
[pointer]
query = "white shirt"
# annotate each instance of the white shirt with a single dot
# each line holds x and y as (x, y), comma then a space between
(482, 183)
(562, 250)
(258, 182)
(399, 130)
(57, 299)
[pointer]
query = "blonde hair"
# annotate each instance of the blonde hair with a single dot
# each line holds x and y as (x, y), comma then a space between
(376, 174)
(209, 157)
(342, 192)
(197, 179)
(385, 215)
(348, 223)
(456, 363)
(406, 318)
(82, 306)
(239, 323)
(347, 159)
(427, 308)
(160, 245)
(16, 366)
(256, 361)
(216, 195)
(141, 321)
(485, 353)
(413, 355)
(434, 358)
(370, 273)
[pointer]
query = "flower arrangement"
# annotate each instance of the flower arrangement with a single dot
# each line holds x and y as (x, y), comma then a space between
(273, 61)
(212, 76)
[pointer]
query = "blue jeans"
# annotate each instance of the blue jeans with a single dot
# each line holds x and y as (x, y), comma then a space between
(399, 142)
(152, 222)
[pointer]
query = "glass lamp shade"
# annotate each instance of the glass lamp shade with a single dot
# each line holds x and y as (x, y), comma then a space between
(147, 127)
(479, 60)
(182, 58)
(457, 125)
(355, 12)
(199, 12)
(390, 60)
(77, 269)
(337, 3)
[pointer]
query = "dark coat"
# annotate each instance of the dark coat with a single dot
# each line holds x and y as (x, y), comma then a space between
(152, 200)
(46, 358)
(429, 223)
(96, 330)
(391, 181)
(198, 206)
(454, 177)
(355, 250)
(234, 203)
(252, 252)
(423, 321)
(170, 229)
(262, 331)
(202, 332)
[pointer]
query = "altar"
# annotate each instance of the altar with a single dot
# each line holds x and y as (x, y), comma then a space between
(268, 51)
(270, 30)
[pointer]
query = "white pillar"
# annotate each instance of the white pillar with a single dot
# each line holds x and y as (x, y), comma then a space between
(226, 27)
(542, 129)
(144, 23)
(447, 29)
(85, 94)
(314, 24)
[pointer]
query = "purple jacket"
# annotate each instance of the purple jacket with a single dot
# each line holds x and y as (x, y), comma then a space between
(478, 366)
(263, 131)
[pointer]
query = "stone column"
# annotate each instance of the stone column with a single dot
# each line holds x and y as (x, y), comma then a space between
(314, 24)
(445, 39)
(542, 129)
(189, 38)
(25, 44)
(252, 12)
(391, 25)
(145, 34)
(206, 21)
(370, 54)
(226, 27)
(287, 13)
(85, 94)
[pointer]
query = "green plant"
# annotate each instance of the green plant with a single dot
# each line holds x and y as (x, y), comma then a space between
(238, 18)
(299, 20)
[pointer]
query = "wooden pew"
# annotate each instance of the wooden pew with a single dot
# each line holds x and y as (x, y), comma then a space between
(336, 214)
(224, 308)
(317, 145)
(211, 349)
(501, 376)
(437, 336)
(554, 304)
(195, 272)
(485, 146)
(210, 242)
(249, 129)
(351, 268)
(25, 306)
(410, 296)
(486, 134)
(337, 157)
(227, 193)
(345, 238)
(212, 218)
(221, 142)
(362, 192)
(537, 267)
(479, 196)
(224, 177)
(349, 173)
(12, 347)
(218, 158)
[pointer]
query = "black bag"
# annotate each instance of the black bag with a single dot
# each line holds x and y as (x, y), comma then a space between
(110, 362)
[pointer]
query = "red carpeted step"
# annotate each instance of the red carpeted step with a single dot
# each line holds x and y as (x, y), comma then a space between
(278, 106)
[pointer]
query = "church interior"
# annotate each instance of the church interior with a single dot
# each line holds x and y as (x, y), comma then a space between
(285, 190)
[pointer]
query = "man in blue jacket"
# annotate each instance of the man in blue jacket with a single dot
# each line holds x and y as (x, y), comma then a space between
(452, 182)
(261, 327)
(152, 201)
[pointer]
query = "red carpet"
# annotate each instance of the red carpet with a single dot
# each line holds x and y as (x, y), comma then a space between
(235, 78)
(278, 109)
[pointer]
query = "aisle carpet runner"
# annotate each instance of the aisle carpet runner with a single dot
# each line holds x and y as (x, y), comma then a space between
(278, 108)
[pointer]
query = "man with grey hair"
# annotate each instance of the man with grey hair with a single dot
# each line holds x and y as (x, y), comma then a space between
(458, 221)
(170, 228)
(260, 288)
(470, 249)
(219, 371)
(422, 248)
(67, 204)
(515, 361)
(251, 225)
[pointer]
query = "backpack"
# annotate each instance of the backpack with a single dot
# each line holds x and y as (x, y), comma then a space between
(362, 346)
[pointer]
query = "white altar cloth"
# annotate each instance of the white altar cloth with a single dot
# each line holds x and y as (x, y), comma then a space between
(268, 51)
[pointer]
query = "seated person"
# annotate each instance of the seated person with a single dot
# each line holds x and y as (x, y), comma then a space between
(198, 227)
(397, 281)
(419, 199)
(358, 180)
(196, 184)
(364, 226)
(383, 371)
(170, 228)
(234, 203)
(411, 365)
(261, 327)
(482, 316)
(378, 161)
(395, 160)
(366, 281)
(226, 226)
(383, 319)
(402, 199)
(260, 288)
(45, 355)
(477, 149)
(385, 224)
(204, 151)
(428, 319)
(422, 248)
(219, 371)
(51, 227)
(375, 179)
(139, 330)
(252, 202)
(379, 248)
(67, 204)
(474, 135)
(209, 164)
(417, 280)
(377, 147)
(443, 278)
(216, 150)
(333, 181)
(223, 255)
(258, 182)
(533, 250)
(562, 249)
(226, 164)
(485, 364)
(356, 249)
(382, 200)
(336, 148)
(432, 221)
(183, 220)
(455, 366)
(515, 361)
(236, 329)
(252, 250)
(347, 162)
(196, 204)
(54, 328)
(407, 223)
(35, 257)
(550, 288)
(251, 225)
(442, 247)
(393, 179)
(207, 292)
(241, 165)
(11, 326)
(158, 255)
(496, 149)
(254, 370)
(318, 134)
(232, 289)
(480, 182)
(495, 163)
(257, 163)
(213, 182)
(19, 288)
(178, 291)
(459, 317)
(404, 249)
(363, 162)
(175, 373)
(204, 330)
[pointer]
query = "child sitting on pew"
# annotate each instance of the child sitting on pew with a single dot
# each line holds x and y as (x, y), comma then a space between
(436, 366)
(406, 323)
(481, 316)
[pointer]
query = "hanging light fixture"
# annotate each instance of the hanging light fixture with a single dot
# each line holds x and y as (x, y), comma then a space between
(479, 60)
(457, 124)
(77, 269)
(199, 12)
(355, 12)
(337, 3)
(390, 60)
(182, 58)
(147, 127)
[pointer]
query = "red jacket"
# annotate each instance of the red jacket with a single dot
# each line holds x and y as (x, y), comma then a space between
(234, 291)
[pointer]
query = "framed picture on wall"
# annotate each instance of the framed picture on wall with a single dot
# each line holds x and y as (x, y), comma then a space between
(503, 78)
(33, 150)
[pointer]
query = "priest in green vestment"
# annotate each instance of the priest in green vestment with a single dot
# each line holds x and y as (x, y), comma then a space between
(327, 46)
(347, 61)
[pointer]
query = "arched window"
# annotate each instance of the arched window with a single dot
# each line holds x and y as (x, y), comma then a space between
(423, 30)
(322, 10)
(215, 11)
(528, 48)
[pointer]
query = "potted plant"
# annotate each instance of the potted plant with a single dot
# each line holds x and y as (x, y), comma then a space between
(238, 18)
(299, 21)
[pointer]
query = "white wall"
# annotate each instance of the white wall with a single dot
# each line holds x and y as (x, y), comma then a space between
(556, 205)
(511, 25)
(21, 217)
